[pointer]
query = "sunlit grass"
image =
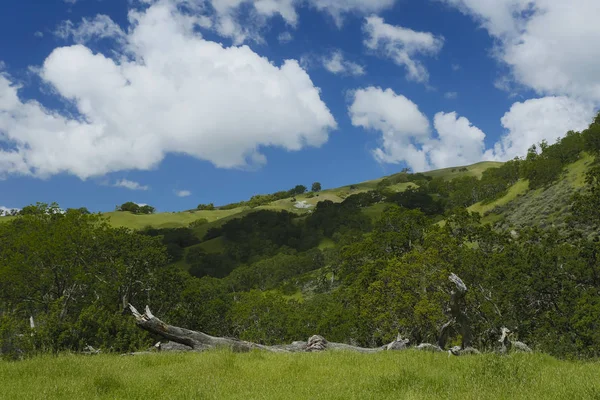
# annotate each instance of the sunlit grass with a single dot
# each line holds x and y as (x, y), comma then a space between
(519, 188)
(165, 220)
(472, 170)
(258, 375)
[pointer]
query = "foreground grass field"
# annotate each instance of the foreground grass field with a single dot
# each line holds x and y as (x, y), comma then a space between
(257, 375)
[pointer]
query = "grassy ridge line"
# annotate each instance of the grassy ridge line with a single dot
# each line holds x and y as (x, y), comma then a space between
(336, 195)
(475, 170)
(257, 375)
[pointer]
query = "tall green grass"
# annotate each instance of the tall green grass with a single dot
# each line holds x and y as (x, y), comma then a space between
(259, 375)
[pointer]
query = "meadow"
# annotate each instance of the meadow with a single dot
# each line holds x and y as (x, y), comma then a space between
(332, 375)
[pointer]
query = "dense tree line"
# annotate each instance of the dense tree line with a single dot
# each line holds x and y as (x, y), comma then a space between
(73, 274)
(135, 208)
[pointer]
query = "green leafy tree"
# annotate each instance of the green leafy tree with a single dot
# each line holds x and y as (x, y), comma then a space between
(316, 187)
(299, 189)
(54, 265)
(130, 206)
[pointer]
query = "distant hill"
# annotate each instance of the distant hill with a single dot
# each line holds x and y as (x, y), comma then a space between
(336, 195)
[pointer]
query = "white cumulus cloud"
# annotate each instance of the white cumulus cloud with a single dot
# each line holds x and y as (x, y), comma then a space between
(458, 142)
(406, 132)
(403, 126)
(100, 26)
(547, 44)
(166, 90)
(183, 193)
(407, 137)
(338, 8)
(131, 185)
(402, 45)
(337, 64)
(534, 120)
(242, 20)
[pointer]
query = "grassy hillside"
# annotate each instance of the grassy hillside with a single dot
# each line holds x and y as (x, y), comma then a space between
(336, 195)
(165, 220)
(225, 375)
(547, 206)
(475, 170)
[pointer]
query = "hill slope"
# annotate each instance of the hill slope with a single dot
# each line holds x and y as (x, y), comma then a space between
(336, 195)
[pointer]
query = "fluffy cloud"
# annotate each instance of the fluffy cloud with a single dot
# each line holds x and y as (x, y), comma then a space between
(406, 135)
(336, 64)
(337, 8)
(131, 185)
(224, 16)
(243, 20)
(458, 142)
(183, 193)
(99, 27)
(535, 120)
(169, 92)
(547, 44)
(402, 45)
(285, 37)
(403, 126)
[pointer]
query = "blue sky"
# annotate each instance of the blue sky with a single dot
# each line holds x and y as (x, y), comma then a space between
(180, 102)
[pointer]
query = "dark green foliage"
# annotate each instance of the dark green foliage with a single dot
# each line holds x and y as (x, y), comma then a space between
(299, 189)
(206, 207)
(384, 183)
(417, 199)
(316, 187)
(540, 169)
(136, 208)
(41, 209)
(54, 266)
(329, 218)
(385, 274)
(586, 205)
(215, 265)
(270, 272)
(591, 137)
(263, 233)
(175, 240)
(147, 210)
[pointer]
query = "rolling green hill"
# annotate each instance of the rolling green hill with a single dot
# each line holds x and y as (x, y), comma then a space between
(336, 195)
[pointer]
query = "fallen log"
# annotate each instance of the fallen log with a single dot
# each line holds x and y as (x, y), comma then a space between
(200, 341)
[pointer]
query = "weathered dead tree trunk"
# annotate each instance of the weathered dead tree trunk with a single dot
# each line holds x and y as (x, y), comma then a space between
(510, 345)
(201, 341)
(459, 318)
